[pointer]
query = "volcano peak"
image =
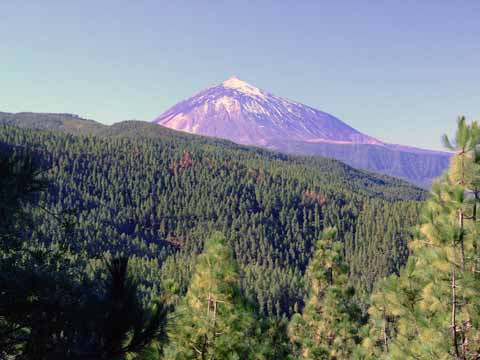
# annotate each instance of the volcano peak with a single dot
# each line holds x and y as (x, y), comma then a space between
(233, 82)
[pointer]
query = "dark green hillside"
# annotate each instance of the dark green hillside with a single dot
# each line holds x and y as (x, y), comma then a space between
(73, 124)
(139, 189)
(70, 123)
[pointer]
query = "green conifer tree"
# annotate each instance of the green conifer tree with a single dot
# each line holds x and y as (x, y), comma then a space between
(432, 309)
(327, 327)
(213, 321)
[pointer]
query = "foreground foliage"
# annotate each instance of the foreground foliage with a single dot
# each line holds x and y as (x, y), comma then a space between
(213, 321)
(327, 327)
(431, 311)
(47, 309)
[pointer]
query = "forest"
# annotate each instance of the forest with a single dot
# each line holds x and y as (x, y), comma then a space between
(138, 242)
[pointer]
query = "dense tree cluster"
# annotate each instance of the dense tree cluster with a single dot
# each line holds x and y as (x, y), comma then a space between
(123, 246)
(156, 199)
(48, 310)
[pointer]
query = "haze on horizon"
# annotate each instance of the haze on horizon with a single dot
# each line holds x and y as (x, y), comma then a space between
(401, 72)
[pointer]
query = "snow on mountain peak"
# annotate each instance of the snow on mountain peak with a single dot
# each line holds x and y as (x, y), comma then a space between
(245, 114)
(233, 82)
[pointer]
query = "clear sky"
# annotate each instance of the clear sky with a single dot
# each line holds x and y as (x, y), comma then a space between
(398, 70)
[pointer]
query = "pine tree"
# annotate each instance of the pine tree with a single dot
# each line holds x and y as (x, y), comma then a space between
(121, 325)
(431, 311)
(326, 329)
(213, 321)
(391, 313)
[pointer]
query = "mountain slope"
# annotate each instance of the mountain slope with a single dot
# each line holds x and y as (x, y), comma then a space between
(69, 123)
(414, 165)
(372, 184)
(240, 112)
(143, 190)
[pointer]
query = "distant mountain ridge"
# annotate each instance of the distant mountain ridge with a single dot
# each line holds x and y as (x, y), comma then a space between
(243, 113)
(69, 123)
(374, 184)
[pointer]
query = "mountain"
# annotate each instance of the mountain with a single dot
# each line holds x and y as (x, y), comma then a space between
(243, 113)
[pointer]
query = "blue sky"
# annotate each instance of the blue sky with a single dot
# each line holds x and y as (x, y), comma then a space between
(398, 70)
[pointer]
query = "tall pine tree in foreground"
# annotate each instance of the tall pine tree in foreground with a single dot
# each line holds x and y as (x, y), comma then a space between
(327, 327)
(432, 310)
(213, 321)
